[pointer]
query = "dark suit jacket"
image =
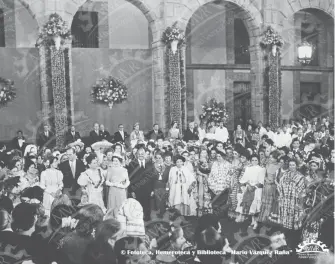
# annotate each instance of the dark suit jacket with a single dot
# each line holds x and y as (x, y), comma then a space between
(69, 180)
(69, 138)
(118, 137)
(190, 135)
(105, 135)
(141, 179)
(94, 137)
(44, 141)
(153, 136)
(15, 144)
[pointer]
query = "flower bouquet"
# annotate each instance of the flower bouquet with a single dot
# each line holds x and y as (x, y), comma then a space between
(173, 35)
(271, 38)
(53, 32)
(213, 111)
(109, 91)
(7, 92)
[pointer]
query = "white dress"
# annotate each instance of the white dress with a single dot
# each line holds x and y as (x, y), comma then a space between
(51, 182)
(92, 182)
(253, 175)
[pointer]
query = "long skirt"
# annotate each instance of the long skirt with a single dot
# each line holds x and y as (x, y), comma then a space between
(116, 197)
(268, 201)
(95, 197)
(160, 199)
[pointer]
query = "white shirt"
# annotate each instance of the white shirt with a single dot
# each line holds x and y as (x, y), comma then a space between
(122, 134)
(271, 135)
(73, 163)
(141, 163)
(221, 134)
(282, 140)
(262, 131)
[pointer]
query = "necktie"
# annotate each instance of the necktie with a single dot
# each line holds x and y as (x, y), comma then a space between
(73, 169)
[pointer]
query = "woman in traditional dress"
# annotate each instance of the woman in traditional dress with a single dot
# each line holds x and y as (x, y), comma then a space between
(136, 135)
(252, 185)
(174, 132)
(180, 185)
(219, 178)
(239, 134)
(202, 173)
(269, 188)
(118, 182)
(52, 184)
(291, 189)
(238, 156)
(161, 177)
(92, 181)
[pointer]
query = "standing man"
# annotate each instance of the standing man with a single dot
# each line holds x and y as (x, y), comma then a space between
(71, 170)
(104, 134)
(46, 139)
(155, 133)
(141, 179)
(221, 133)
(191, 133)
(19, 142)
(71, 136)
(120, 135)
(95, 134)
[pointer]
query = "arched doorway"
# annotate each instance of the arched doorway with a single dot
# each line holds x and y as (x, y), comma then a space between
(104, 50)
(222, 60)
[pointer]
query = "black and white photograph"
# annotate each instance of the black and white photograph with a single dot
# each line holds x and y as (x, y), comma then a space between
(167, 132)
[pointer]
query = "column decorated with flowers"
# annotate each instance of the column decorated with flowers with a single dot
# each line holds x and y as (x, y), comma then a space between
(174, 38)
(55, 65)
(272, 42)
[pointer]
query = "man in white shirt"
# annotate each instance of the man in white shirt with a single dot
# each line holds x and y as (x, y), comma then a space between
(221, 133)
(270, 133)
(262, 130)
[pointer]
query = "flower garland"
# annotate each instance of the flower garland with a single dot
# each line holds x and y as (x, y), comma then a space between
(174, 88)
(213, 111)
(7, 93)
(109, 91)
(55, 26)
(270, 38)
(173, 33)
(59, 94)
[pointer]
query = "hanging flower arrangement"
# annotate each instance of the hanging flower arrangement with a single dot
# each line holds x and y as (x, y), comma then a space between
(7, 91)
(213, 111)
(109, 91)
(55, 27)
(270, 38)
(173, 33)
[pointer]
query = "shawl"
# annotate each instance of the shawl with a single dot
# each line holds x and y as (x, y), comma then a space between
(219, 178)
(130, 217)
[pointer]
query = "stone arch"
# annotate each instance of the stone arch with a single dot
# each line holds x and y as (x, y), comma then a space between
(253, 17)
(72, 6)
(325, 6)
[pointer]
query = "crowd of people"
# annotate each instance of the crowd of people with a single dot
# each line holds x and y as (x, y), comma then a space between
(89, 201)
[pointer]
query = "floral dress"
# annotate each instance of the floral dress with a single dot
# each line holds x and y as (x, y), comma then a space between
(204, 198)
(237, 167)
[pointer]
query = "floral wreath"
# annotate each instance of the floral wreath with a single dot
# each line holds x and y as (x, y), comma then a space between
(270, 38)
(173, 33)
(109, 91)
(213, 111)
(7, 92)
(55, 26)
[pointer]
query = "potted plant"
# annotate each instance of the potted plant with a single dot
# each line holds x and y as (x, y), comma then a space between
(272, 40)
(173, 36)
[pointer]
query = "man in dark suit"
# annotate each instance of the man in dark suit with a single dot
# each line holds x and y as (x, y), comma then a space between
(141, 178)
(121, 135)
(4, 157)
(155, 133)
(46, 139)
(19, 142)
(95, 134)
(71, 136)
(71, 170)
(104, 134)
(191, 133)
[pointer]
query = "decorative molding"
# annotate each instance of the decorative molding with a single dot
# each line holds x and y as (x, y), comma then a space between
(312, 69)
(218, 67)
